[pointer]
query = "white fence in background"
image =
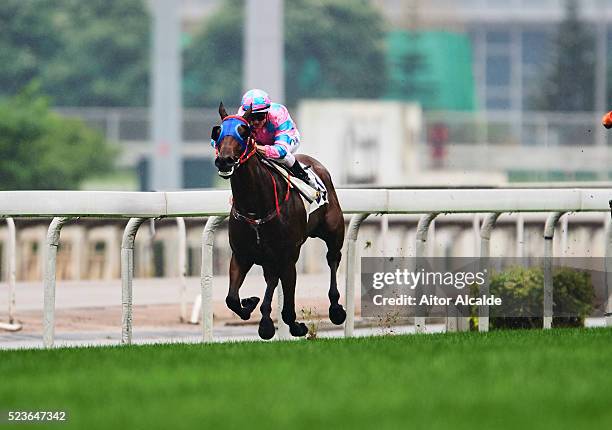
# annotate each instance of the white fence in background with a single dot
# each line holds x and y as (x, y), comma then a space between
(65, 205)
(566, 143)
(493, 127)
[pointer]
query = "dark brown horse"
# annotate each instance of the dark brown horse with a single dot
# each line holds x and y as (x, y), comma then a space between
(267, 226)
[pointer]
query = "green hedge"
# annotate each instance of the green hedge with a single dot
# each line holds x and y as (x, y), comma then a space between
(521, 290)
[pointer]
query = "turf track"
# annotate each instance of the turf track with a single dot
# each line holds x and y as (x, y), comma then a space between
(508, 379)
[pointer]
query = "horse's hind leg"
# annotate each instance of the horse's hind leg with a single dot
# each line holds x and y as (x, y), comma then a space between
(237, 272)
(337, 314)
(288, 279)
(266, 326)
(332, 233)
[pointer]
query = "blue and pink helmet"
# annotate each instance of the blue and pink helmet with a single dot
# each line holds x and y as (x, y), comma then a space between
(258, 98)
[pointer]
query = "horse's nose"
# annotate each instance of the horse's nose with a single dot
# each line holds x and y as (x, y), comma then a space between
(224, 163)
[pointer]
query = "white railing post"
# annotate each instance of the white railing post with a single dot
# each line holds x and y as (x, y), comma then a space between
(520, 235)
(384, 235)
(206, 278)
(549, 232)
(11, 325)
(485, 251)
(11, 268)
(196, 310)
(421, 252)
(182, 265)
(608, 269)
(53, 235)
(564, 235)
(352, 254)
(476, 231)
(127, 274)
(282, 333)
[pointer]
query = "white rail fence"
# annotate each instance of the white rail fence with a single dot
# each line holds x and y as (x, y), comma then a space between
(66, 205)
(12, 324)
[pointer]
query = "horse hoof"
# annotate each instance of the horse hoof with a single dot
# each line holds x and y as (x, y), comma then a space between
(337, 314)
(298, 329)
(234, 305)
(249, 304)
(266, 329)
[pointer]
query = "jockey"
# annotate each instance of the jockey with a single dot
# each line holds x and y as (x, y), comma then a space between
(275, 133)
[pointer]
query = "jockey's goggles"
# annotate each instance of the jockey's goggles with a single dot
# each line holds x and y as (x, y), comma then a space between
(259, 116)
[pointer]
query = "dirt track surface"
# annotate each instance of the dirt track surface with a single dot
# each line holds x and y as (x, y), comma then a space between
(148, 317)
(92, 309)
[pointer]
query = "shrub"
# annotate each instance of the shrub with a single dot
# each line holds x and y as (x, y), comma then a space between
(522, 290)
(42, 150)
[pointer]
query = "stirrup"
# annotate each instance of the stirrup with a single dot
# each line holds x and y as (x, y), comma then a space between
(302, 176)
(311, 183)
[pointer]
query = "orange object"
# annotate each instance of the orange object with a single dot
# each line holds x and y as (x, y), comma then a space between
(606, 121)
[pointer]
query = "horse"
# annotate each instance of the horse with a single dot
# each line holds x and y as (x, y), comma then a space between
(268, 225)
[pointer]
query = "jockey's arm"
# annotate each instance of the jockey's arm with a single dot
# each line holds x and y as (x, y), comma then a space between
(285, 136)
(276, 151)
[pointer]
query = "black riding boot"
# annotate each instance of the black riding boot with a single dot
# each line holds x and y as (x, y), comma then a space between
(297, 171)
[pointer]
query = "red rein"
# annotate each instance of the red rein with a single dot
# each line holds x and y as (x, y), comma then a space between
(276, 193)
(248, 154)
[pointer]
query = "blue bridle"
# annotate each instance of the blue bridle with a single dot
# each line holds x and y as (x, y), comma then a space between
(229, 127)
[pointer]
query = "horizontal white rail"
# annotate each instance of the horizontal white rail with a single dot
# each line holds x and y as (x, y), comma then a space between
(217, 202)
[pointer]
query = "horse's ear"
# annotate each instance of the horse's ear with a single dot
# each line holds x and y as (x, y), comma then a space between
(222, 111)
(249, 113)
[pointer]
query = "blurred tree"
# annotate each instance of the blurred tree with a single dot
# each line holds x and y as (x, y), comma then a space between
(570, 75)
(27, 42)
(104, 60)
(85, 53)
(333, 48)
(212, 63)
(42, 150)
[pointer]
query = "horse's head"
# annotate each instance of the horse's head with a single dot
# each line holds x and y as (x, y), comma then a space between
(231, 140)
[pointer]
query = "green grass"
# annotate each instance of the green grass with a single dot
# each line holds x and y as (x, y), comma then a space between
(506, 379)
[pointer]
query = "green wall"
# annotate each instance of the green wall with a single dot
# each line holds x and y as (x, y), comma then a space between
(438, 72)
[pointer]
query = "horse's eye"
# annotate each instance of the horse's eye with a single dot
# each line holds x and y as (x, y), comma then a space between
(244, 131)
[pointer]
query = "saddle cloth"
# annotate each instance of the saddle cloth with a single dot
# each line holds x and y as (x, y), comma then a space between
(313, 199)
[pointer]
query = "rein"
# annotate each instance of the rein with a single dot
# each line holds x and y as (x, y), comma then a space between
(246, 154)
(256, 222)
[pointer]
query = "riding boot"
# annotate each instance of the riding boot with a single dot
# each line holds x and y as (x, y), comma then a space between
(297, 171)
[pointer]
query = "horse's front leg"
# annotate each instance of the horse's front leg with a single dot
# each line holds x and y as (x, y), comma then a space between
(237, 273)
(266, 326)
(288, 279)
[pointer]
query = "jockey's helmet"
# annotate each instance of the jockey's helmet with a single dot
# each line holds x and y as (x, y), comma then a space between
(258, 98)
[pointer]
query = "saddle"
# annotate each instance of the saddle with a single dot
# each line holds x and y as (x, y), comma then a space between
(313, 198)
